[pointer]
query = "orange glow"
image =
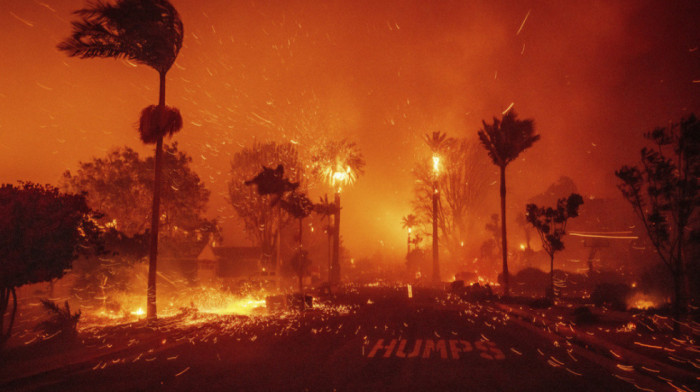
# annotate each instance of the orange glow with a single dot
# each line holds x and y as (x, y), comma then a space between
(374, 72)
(436, 164)
(643, 301)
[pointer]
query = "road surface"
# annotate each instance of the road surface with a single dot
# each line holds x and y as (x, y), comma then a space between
(377, 339)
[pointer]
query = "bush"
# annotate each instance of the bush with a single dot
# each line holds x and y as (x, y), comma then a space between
(61, 321)
(584, 315)
(531, 280)
(611, 295)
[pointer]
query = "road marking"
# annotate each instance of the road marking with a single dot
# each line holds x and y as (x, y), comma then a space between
(430, 348)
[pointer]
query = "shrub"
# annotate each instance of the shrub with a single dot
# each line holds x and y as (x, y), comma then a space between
(61, 321)
(611, 295)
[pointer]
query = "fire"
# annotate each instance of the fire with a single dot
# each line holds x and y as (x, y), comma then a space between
(642, 301)
(436, 163)
(127, 307)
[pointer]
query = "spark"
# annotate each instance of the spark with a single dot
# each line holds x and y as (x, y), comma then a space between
(48, 7)
(508, 108)
(28, 23)
(619, 237)
(626, 368)
(45, 87)
(523, 23)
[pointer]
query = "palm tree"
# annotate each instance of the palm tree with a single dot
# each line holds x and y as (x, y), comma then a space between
(149, 32)
(438, 143)
(409, 222)
(326, 208)
(272, 182)
(505, 140)
(339, 163)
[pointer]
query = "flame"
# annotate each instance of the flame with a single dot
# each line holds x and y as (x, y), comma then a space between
(127, 307)
(642, 301)
(339, 175)
(436, 164)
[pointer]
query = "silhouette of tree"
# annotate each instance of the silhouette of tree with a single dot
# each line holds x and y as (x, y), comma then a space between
(149, 32)
(41, 232)
(550, 224)
(257, 211)
(664, 194)
(272, 182)
(504, 140)
(120, 185)
(338, 163)
(297, 205)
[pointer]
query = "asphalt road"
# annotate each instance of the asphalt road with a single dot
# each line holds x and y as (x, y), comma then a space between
(377, 340)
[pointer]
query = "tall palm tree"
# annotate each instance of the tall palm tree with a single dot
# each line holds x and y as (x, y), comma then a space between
(505, 140)
(409, 222)
(438, 143)
(339, 163)
(149, 32)
(326, 208)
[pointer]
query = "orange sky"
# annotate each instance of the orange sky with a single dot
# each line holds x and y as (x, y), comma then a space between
(594, 75)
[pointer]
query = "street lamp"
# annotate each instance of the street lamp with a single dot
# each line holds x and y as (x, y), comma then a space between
(436, 196)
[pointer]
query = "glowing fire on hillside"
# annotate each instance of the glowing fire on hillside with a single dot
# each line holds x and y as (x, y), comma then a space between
(643, 301)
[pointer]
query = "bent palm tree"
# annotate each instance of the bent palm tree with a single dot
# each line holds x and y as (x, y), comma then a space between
(149, 32)
(505, 140)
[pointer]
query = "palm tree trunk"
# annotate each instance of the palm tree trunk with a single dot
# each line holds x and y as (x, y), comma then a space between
(436, 262)
(151, 312)
(4, 305)
(335, 266)
(301, 292)
(504, 241)
(301, 231)
(278, 248)
(330, 251)
(551, 276)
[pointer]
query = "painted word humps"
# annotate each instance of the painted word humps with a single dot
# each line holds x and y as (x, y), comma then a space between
(427, 348)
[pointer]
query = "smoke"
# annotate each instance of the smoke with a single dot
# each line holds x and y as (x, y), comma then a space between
(593, 75)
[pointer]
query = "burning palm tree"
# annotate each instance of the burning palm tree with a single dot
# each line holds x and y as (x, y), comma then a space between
(149, 32)
(339, 164)
(438, 142)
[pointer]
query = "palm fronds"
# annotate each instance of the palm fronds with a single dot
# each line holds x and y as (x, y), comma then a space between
(146, 31)
(156, 122)
(505, 139)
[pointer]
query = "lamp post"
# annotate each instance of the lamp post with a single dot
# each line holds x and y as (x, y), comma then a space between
(436, 195)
